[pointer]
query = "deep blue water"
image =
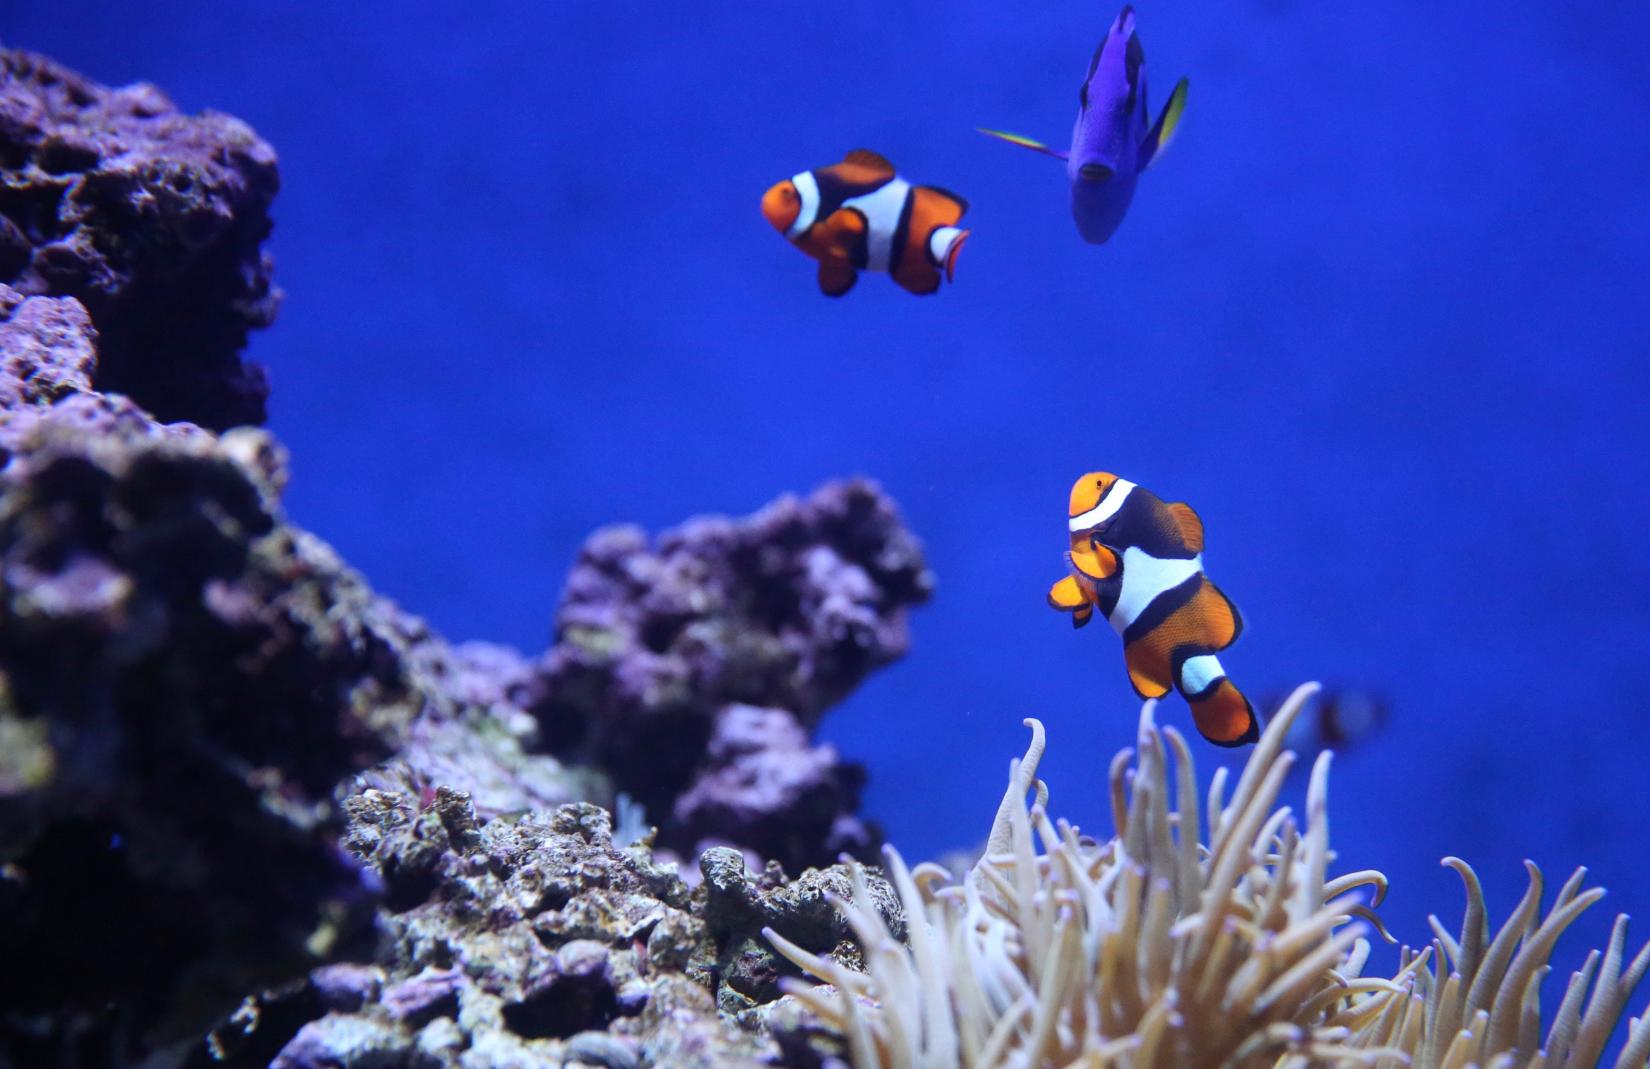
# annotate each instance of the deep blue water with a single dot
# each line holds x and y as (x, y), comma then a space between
(1381, 316)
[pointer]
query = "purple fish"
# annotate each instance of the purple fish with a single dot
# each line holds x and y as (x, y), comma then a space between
(1111, 143)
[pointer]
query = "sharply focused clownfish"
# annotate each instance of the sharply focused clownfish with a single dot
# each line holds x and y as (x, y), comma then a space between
(858, 215)
(1111, 143)
(1139, 561)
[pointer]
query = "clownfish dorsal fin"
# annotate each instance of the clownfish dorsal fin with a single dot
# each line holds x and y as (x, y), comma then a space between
(938, 191)
(1191, 527)
(876, 161)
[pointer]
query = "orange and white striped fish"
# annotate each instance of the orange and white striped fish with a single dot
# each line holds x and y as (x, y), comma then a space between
(859, 215)
(1138, 560)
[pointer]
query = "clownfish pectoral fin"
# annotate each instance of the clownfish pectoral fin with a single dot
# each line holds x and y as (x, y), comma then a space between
(836, 277)
(1093, 560)
(1067, 595)
(1223, 715)
(874, 161)
(1191, 527)
(1141, 676)
(1163, 130)
(1023, 142)
(1082, 616)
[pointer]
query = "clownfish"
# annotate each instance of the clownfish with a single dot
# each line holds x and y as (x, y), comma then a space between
(1138, 560)
(1111, 143)
(858, 215)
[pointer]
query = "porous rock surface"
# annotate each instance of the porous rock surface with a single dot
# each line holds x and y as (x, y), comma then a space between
(154, 221)
(694, 665)
(538, 941)
(185, 682)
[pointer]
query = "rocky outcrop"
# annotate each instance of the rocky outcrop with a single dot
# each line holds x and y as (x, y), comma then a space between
(694, 666)
(185, 681)
(540, 942)
(154, 221)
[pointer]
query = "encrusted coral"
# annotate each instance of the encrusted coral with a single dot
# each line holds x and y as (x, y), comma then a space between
(154, 220)
(1169, 947)
(539, 941)
(694, 665)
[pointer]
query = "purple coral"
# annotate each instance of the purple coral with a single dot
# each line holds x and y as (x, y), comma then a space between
(154, 220)
(659, 645)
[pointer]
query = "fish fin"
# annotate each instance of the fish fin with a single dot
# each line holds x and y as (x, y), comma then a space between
(836, 277)
(1141, 678)
(1067, 595)
(1191, 527)
(1080, 617)
(1230, 607)
(1093, 560)
(1168, 120)
(1223, 715)
(1023, 142)
(939, 191)
(951, 257)
(918, 276)
(844, 231)
(876, 161)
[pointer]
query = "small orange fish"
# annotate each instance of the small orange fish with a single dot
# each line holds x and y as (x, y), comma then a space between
(859, 215)
(1139, 561)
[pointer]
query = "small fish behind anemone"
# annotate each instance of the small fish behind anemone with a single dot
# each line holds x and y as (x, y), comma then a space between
(860, 215)
(1138, 560)
(1111, 143)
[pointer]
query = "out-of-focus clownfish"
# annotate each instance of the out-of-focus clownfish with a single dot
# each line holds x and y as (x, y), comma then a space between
(1139, 561)
(858, 215)
(1111, 143)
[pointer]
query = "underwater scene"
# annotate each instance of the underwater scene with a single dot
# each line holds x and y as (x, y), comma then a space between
(570, 535)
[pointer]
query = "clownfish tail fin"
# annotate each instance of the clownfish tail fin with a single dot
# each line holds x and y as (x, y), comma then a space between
(1223, 715)
(944, 244)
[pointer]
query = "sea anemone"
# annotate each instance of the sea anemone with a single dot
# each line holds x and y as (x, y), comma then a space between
(1166, 948)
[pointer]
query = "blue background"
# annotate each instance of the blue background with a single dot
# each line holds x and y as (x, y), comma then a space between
(1380, 316)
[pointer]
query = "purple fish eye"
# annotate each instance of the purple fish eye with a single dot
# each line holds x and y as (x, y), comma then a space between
(1095, 172)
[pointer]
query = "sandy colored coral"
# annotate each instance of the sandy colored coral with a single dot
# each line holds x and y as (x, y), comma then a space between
(1201, 935)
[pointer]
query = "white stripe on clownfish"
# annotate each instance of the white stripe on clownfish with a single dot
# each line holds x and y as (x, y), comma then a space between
(1144, 578)
(881, 209)
(1200, 673)
(1105, 510)
(807, 189)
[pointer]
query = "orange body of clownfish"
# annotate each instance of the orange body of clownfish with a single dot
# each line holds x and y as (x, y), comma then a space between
(1138, 561)
(859, 215)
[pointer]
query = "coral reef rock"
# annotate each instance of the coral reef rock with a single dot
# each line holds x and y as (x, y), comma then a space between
(538, 942)
(152, 219)
(185, 680)
(693, 666)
